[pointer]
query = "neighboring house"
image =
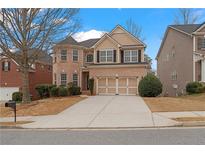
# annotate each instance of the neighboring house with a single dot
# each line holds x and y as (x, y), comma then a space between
(11, 81)
(181, 57)
(115, 61)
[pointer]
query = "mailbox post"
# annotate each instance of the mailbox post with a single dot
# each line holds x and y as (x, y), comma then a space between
(12, 104)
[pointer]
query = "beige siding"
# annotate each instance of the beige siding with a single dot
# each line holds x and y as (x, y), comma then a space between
(176, 55)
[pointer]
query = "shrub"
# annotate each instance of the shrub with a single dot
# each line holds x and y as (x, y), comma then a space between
(74, 90)
(54, 91)
(44, 90)
(150, 86)
(194, 87)
(17, 96)
(63, 91)
(91, 85)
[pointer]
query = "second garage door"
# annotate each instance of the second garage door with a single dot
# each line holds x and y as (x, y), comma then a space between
(117, 86)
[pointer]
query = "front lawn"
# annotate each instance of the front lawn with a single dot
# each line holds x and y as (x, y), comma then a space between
(50, 106)
(176, 104)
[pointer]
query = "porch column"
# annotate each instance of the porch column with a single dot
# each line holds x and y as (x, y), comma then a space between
(97, 86)
(194, 70)
(203, 70)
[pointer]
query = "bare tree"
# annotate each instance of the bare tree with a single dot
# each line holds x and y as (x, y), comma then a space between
(186, 16)
(26, 30)
(136, 30)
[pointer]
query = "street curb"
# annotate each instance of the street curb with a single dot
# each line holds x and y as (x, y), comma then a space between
(190, 124)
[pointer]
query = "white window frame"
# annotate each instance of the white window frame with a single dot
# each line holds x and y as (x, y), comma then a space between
(203, 43)
(64, 80)
(130, 56)
(75, 80)
(106, 56)
(6, 66)
(64, 55)
(75, 55)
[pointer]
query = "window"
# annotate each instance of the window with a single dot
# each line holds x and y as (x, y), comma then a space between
(174, 75)
(55, 59)
(89, 58)
(201, 43)
(49, 67)
(63, 79)
(106, 56)
(75, 55)
(63, 55)
(75, 79)
(5, 66)
(130, 56)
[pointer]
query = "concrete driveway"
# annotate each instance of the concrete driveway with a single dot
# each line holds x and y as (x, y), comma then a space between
(102, 112)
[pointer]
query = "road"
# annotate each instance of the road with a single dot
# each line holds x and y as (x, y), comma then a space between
(104, 137)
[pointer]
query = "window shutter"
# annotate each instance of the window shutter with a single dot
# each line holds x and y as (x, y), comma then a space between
(9, 64)
(114, 51)
(199, 43)
(122, 56)
(98, 56)
(2, 66)
(139, 56)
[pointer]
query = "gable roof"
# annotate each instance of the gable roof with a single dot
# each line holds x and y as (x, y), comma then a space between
(68, 40)
(89, 43)
(119, 26)
(106, 35)
(189, 29)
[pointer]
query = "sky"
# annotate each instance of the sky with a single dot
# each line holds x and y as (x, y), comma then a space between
(153, 22)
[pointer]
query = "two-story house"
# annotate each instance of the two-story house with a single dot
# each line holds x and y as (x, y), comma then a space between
(11, 78)
(181, 57)
(115, 61)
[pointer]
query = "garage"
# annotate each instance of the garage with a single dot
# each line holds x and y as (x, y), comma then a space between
(6, 93)
(117, 85)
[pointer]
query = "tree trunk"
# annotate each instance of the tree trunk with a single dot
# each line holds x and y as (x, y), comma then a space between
(25, 86)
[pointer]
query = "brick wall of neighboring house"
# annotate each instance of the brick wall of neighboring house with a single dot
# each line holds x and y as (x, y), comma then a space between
(41, 75)
(12, 78)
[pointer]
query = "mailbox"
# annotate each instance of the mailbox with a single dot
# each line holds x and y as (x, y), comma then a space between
(12, 104)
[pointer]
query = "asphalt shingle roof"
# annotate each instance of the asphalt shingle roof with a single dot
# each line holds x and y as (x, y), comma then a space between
(89, 43)
(190, 28)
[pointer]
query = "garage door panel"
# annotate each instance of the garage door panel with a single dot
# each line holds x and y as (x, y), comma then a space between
(111, 90)
(101, 90)
(132, 82)
(102, 82)
(132, 91)
(122, 91)
(111, 82)
(122, 82)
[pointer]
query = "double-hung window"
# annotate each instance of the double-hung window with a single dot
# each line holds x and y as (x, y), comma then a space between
(75, 55)
(106, 56)
(201, 43)
(130, 56)
(63, 55)
(89, 58)
(75, 79)
(63, 79)
(5, 66)
(174, 75)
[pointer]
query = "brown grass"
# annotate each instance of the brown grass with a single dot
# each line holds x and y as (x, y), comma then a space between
(48, 106)
(189, 119)
(176, 104)
(14, 124)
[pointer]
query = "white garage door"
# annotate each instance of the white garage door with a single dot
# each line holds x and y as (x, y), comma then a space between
(117, 86)
(6, 93)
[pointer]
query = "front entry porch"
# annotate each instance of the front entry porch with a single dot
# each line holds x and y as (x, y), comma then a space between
(199, 71)
(85, 78)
